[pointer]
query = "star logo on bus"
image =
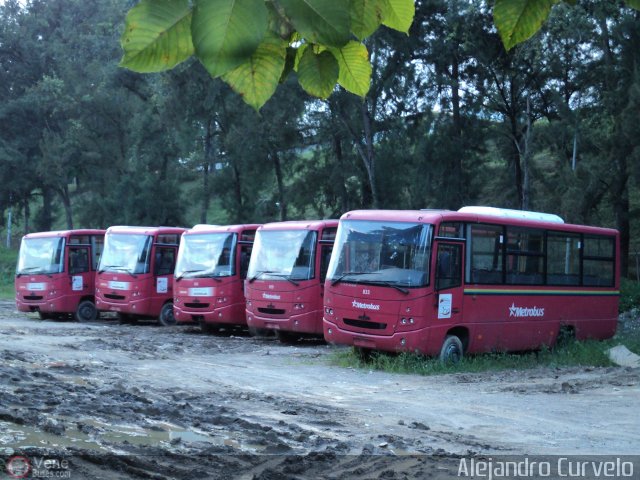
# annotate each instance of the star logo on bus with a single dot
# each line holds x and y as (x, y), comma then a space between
(513, 310)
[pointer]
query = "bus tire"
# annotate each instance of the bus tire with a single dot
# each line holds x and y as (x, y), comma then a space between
(452, 350)
(86, 311)
(288, 338)
(166, 318)
(260, 332)
(209, 328)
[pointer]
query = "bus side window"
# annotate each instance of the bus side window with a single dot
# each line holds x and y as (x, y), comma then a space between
(448, 266)
(245, 256)
(165, 260)
(78, 260)
(325, 257)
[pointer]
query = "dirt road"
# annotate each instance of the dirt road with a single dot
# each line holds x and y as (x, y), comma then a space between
(122, 401)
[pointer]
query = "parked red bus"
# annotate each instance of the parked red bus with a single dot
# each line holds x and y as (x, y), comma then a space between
(212, 264)
(477, 280)
(135, 275)
(285, 282)
(56, 272)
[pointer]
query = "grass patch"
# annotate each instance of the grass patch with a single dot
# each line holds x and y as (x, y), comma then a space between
(8, 259)
(590, 353)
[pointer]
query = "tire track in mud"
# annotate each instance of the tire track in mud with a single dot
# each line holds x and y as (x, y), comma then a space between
(124, 401)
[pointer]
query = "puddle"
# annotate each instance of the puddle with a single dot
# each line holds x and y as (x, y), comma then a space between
(97, 435)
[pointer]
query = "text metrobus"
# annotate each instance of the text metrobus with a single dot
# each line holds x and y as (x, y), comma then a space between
(477, 280)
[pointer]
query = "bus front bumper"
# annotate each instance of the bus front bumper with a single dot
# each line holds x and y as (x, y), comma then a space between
(411, 341)
(229, 315)
(302, 323)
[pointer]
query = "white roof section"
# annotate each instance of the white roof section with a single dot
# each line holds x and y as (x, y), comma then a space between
(508, 213)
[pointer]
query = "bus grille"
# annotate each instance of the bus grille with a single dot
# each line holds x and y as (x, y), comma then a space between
(272, 311)
(364, 324)
(114, 297)
(33, 297)
(196, 305)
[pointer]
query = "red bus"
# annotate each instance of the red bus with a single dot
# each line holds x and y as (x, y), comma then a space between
(477, 280)
(212, 264)
(135, 275)
(285, 282)
(56, 272)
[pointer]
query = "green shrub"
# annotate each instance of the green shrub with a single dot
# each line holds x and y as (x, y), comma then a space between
(629, 295)
(8, 259)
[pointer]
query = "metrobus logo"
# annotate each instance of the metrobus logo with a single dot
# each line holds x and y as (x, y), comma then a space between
(366, 306)
(270, 296)
(525, 311)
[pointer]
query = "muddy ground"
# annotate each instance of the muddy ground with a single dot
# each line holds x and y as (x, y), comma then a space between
(141, 401)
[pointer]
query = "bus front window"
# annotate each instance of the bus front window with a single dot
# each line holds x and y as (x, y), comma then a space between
(126, 253)
(206, 255)
(40, 256)
(279, 254)
(386, 253)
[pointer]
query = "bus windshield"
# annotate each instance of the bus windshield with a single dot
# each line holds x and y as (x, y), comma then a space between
(40, 256)
(387, 253)
(283, 255)
(127, 253)
(206, 255)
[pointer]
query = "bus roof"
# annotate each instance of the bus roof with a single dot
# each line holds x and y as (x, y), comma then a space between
(145, 230)
(202, 228)
(472, 216)
(66, 233)
(300, 225)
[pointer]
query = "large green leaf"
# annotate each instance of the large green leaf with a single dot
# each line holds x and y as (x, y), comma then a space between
(325, 22)
(355, 69)
(256, 80)
(398, 14)
(157, 35)
(227, 32)
(318, 73)
(366, 17)
(518, 20)
(633, 4)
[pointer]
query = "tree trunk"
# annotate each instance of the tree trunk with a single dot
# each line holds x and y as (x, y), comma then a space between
(342, 187)
(27, 214)
(369, 153)
(206, 169)
(45, 222)
(66, 202)
(282, 204)
(237, 187)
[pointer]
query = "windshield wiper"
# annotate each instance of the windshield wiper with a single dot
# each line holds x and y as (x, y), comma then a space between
(202, 275)
(391, 284)
(275, 274)
(119, 268)
(286, 277)
(341, 277)
(257, 275)
(27, 269)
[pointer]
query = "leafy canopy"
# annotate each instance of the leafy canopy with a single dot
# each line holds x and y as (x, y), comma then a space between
(254, 44)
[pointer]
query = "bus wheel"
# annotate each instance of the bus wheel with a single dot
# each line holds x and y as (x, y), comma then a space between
(261, 332)
(166, 318)
(363, 354)
(86, 311)
(451, 351)
(211, 328)
(288, 338)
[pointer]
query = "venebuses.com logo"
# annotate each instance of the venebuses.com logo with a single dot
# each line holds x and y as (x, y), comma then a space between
(20, 466)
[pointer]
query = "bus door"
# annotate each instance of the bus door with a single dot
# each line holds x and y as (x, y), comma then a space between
(448, 282)
(79, 268)
(164, 265)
